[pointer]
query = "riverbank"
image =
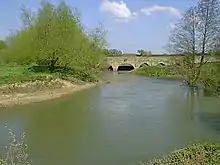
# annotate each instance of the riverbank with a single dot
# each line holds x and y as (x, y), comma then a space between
(195, 154)
(21, 85)
(165, 72)
(209, 78)
(30, 92)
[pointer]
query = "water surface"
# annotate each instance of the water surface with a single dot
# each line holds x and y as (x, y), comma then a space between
(131, 119)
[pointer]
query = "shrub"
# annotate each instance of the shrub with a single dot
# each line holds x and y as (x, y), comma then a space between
(195, 154)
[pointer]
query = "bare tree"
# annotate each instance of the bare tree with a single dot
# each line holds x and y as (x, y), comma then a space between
(183, 41)
(209, 25)
(208, 12)
(195, 34)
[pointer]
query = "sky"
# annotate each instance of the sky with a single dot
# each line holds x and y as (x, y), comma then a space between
(130, 24)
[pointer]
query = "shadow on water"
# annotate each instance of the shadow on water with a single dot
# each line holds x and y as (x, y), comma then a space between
(209, 116)
(212, 120)
(200, 107)
(54, 127)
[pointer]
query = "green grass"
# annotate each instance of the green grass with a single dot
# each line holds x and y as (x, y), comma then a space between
(21, 79)
(22, 73)
(164, 72)
(195, 154)
(11, 78)
(16, 74)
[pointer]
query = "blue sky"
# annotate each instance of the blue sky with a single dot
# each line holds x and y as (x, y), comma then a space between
(131, 24)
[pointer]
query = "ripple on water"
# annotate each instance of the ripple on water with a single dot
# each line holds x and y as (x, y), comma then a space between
(133, 119)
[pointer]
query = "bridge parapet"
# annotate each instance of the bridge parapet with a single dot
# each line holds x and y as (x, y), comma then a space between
(137, 61)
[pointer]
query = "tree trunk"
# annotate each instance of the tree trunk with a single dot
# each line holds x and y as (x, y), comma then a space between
(52, 64)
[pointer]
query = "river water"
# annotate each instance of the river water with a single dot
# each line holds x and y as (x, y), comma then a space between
(132, 119)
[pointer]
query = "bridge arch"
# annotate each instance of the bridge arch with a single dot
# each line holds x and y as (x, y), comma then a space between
(110, 68)
(125, 67)
(107, 65)
(143, 65)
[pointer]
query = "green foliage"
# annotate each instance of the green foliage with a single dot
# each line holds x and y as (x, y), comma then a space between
(210, 77)
(157, 71)
(196, 154)
(13, 74)
(144, 53)
(186, 67)
(3, 45)
(55, 36)
(22, 74)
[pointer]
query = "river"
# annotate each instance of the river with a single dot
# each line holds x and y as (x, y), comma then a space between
(132, 119)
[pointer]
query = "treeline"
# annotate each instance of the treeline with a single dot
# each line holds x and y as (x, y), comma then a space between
(53, 39)
(113, 52)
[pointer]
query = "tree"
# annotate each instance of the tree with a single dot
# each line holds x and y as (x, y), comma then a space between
(141, 52)
(208, 13)
(183, 41)
(112, 52)
(115, 52)
(208, 29)
(195, 34)
(3, 45)
(54, 36)
(144, 53)
(97, 35)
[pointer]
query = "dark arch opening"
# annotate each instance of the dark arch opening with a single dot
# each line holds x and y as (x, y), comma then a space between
(110, 68)
(144, 65)
(125, 67)
(162, 64)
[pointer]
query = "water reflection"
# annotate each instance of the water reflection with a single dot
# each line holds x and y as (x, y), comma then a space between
(197, 107)
(61, 129)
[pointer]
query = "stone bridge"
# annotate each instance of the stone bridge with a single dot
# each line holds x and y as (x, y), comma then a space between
(137, 61)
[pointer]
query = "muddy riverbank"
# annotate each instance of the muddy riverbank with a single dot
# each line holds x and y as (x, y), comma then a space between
(24, 93)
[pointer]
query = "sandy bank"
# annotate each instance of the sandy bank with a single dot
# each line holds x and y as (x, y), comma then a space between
(15, 98)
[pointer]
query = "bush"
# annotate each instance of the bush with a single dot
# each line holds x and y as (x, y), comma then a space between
(210, 77)
(195, 154)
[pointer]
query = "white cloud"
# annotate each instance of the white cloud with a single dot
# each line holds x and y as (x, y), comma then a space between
(118, 9)
(158, 8)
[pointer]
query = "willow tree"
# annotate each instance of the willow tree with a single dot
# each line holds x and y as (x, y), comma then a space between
(57, 34)
(54, 35)
(195, 34)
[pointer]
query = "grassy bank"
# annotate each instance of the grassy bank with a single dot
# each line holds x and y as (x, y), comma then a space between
(15, 76)
(51, 44)
(157, 71)
(52, 50)
(22, 85)
(195, 154)
(209, 77)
